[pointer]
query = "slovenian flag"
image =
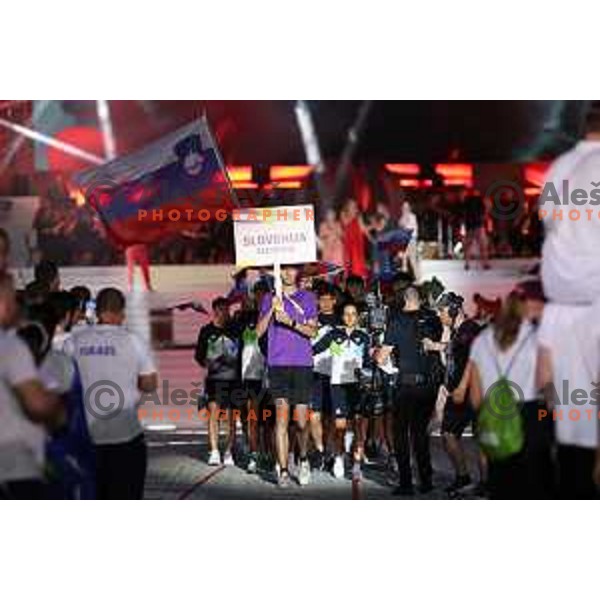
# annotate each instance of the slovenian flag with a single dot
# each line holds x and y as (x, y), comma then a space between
(159, 190)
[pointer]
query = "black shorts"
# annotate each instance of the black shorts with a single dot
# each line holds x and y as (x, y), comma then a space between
(346, 401)
(227, 394)
(457, 417)
(253, 389)
(295, 384)
(321, 398)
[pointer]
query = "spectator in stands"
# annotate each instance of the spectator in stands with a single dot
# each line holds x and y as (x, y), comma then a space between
(331, 239)
(410, 260)
(476, 234)
(355, 239)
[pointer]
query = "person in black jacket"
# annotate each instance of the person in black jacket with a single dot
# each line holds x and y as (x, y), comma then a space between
(458, 412)
(411, 336)
(217, 350)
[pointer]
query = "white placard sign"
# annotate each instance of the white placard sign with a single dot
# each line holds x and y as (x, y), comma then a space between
(275, 235)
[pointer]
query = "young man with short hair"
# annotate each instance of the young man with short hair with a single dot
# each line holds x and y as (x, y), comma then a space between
(217, 350)
(289, 323)
(409, 335)
(321, 414)
(116, 367)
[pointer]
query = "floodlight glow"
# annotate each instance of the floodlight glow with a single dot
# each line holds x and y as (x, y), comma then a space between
(52, 142)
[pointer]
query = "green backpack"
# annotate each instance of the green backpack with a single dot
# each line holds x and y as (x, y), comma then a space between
(500, 428)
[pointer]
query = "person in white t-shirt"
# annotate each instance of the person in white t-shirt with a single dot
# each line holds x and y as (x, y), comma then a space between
(115, 367)
(569, 358)
(569, 373)
(25, 409)
(570, 271)
(508, 348)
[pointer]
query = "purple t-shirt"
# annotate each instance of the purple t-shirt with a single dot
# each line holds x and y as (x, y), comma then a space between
(288, 348)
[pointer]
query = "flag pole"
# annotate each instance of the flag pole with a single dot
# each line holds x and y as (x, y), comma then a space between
(220, 160)
(277, 276)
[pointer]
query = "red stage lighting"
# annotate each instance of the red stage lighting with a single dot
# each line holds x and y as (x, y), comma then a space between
(295, 172)
(403, 168)
(85, 138)
(455, 170)
(239, 174)
(409, 183)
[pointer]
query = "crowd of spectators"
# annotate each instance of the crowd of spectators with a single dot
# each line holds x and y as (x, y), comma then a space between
(68, 234)
(71, 234)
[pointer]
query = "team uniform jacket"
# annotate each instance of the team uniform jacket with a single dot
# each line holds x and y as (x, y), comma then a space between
(348, 351)
(218, 350)
(322, 360)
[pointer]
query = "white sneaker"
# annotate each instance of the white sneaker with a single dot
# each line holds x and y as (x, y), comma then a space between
(252, 465)
(228, 459)
(338, 467)
(304, 473)
(283, 479)
(214, 458)
(348, 439)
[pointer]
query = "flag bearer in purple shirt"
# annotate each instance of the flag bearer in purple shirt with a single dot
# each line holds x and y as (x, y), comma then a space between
(289, 323)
